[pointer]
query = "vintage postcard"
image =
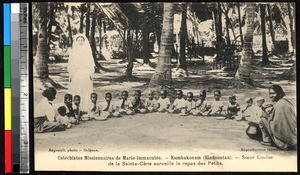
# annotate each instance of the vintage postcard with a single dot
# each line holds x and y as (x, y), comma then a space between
(197, 86)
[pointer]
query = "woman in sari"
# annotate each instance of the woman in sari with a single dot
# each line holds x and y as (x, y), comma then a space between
(44, 114)
(280, 127)
(81, 70)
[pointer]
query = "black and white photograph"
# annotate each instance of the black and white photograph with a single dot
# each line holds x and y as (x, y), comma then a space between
(164, 86)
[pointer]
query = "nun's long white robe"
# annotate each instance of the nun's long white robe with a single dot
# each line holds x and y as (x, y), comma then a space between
(81, 71)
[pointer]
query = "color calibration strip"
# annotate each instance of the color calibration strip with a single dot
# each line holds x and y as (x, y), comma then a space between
(7, 88)
(16, 87)
(24, 89)
(15, 84)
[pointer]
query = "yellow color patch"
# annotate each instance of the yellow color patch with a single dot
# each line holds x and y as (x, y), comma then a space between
(7, 112)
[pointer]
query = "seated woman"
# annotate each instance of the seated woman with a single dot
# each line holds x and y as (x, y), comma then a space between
(44, 114)
(280, 127)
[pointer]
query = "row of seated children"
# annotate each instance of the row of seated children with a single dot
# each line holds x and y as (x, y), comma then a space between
(126, 106)
(188, 106)
(69, 114)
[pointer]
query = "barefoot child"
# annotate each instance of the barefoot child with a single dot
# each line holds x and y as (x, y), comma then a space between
(233, 107)
(264, 112)
(179, 103)
(95, 110)
(124, 105)
(78, 112)
(62, 118)
(201, 105)
(137, 103)
(249, 111)
(151, 103)
(190, 105)
(68, 99)
(216, 106)
(265, 107)
(108, 107)
(163, 102)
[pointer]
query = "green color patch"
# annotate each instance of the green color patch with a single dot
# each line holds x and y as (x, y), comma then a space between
(7, 67)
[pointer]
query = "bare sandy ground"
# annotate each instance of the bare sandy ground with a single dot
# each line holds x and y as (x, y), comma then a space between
(153, 131)
(156, 132)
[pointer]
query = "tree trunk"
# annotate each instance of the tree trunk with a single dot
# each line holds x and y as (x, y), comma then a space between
(100, 33)
(183, 36)
(129, 53)
(242, 76)
(240, 23)
(145, 46)
(216, 18)
(88, 21)
(265, 59)
(227, 30)
(81, 19)
(42, 55)
(51, 16)
(158, 36)
(271, 26)
(162, 75)
(93, 40)
(292, 31)
(69, 29)
(220, 32)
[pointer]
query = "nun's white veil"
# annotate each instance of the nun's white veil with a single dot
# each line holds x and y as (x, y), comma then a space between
(81, 57)
(81, 70)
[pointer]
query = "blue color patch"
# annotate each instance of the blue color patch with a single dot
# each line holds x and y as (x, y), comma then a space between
(7, 21)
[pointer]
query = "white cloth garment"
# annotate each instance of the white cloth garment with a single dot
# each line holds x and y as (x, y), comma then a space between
(44, 108)
(81, 70)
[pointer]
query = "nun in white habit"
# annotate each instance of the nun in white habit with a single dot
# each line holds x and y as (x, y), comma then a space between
(81, 70)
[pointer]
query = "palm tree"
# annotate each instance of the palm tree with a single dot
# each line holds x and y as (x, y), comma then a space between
(41, 71)
(42, 55)
(69, 27)
(271, 25)
(81, 18)
(242, 76)
(88, 21)
(292, 30)
(240, 22)
(183, 36)
(145, 45)
(162, 75)
(265, 59)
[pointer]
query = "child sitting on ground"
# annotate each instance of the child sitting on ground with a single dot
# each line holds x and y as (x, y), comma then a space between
(201, 105)
(233, 107)
(267, 108)
(249, 111)
(77, 109)
(62, 118)
(151, 103)
(163, 102)
(264, 112)
(190, 105)
(95, 110)
(69, 109)
(216, 106)
(108, 107)
(179, 103)
(137, 103)
(124, 105)
(262, 109)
